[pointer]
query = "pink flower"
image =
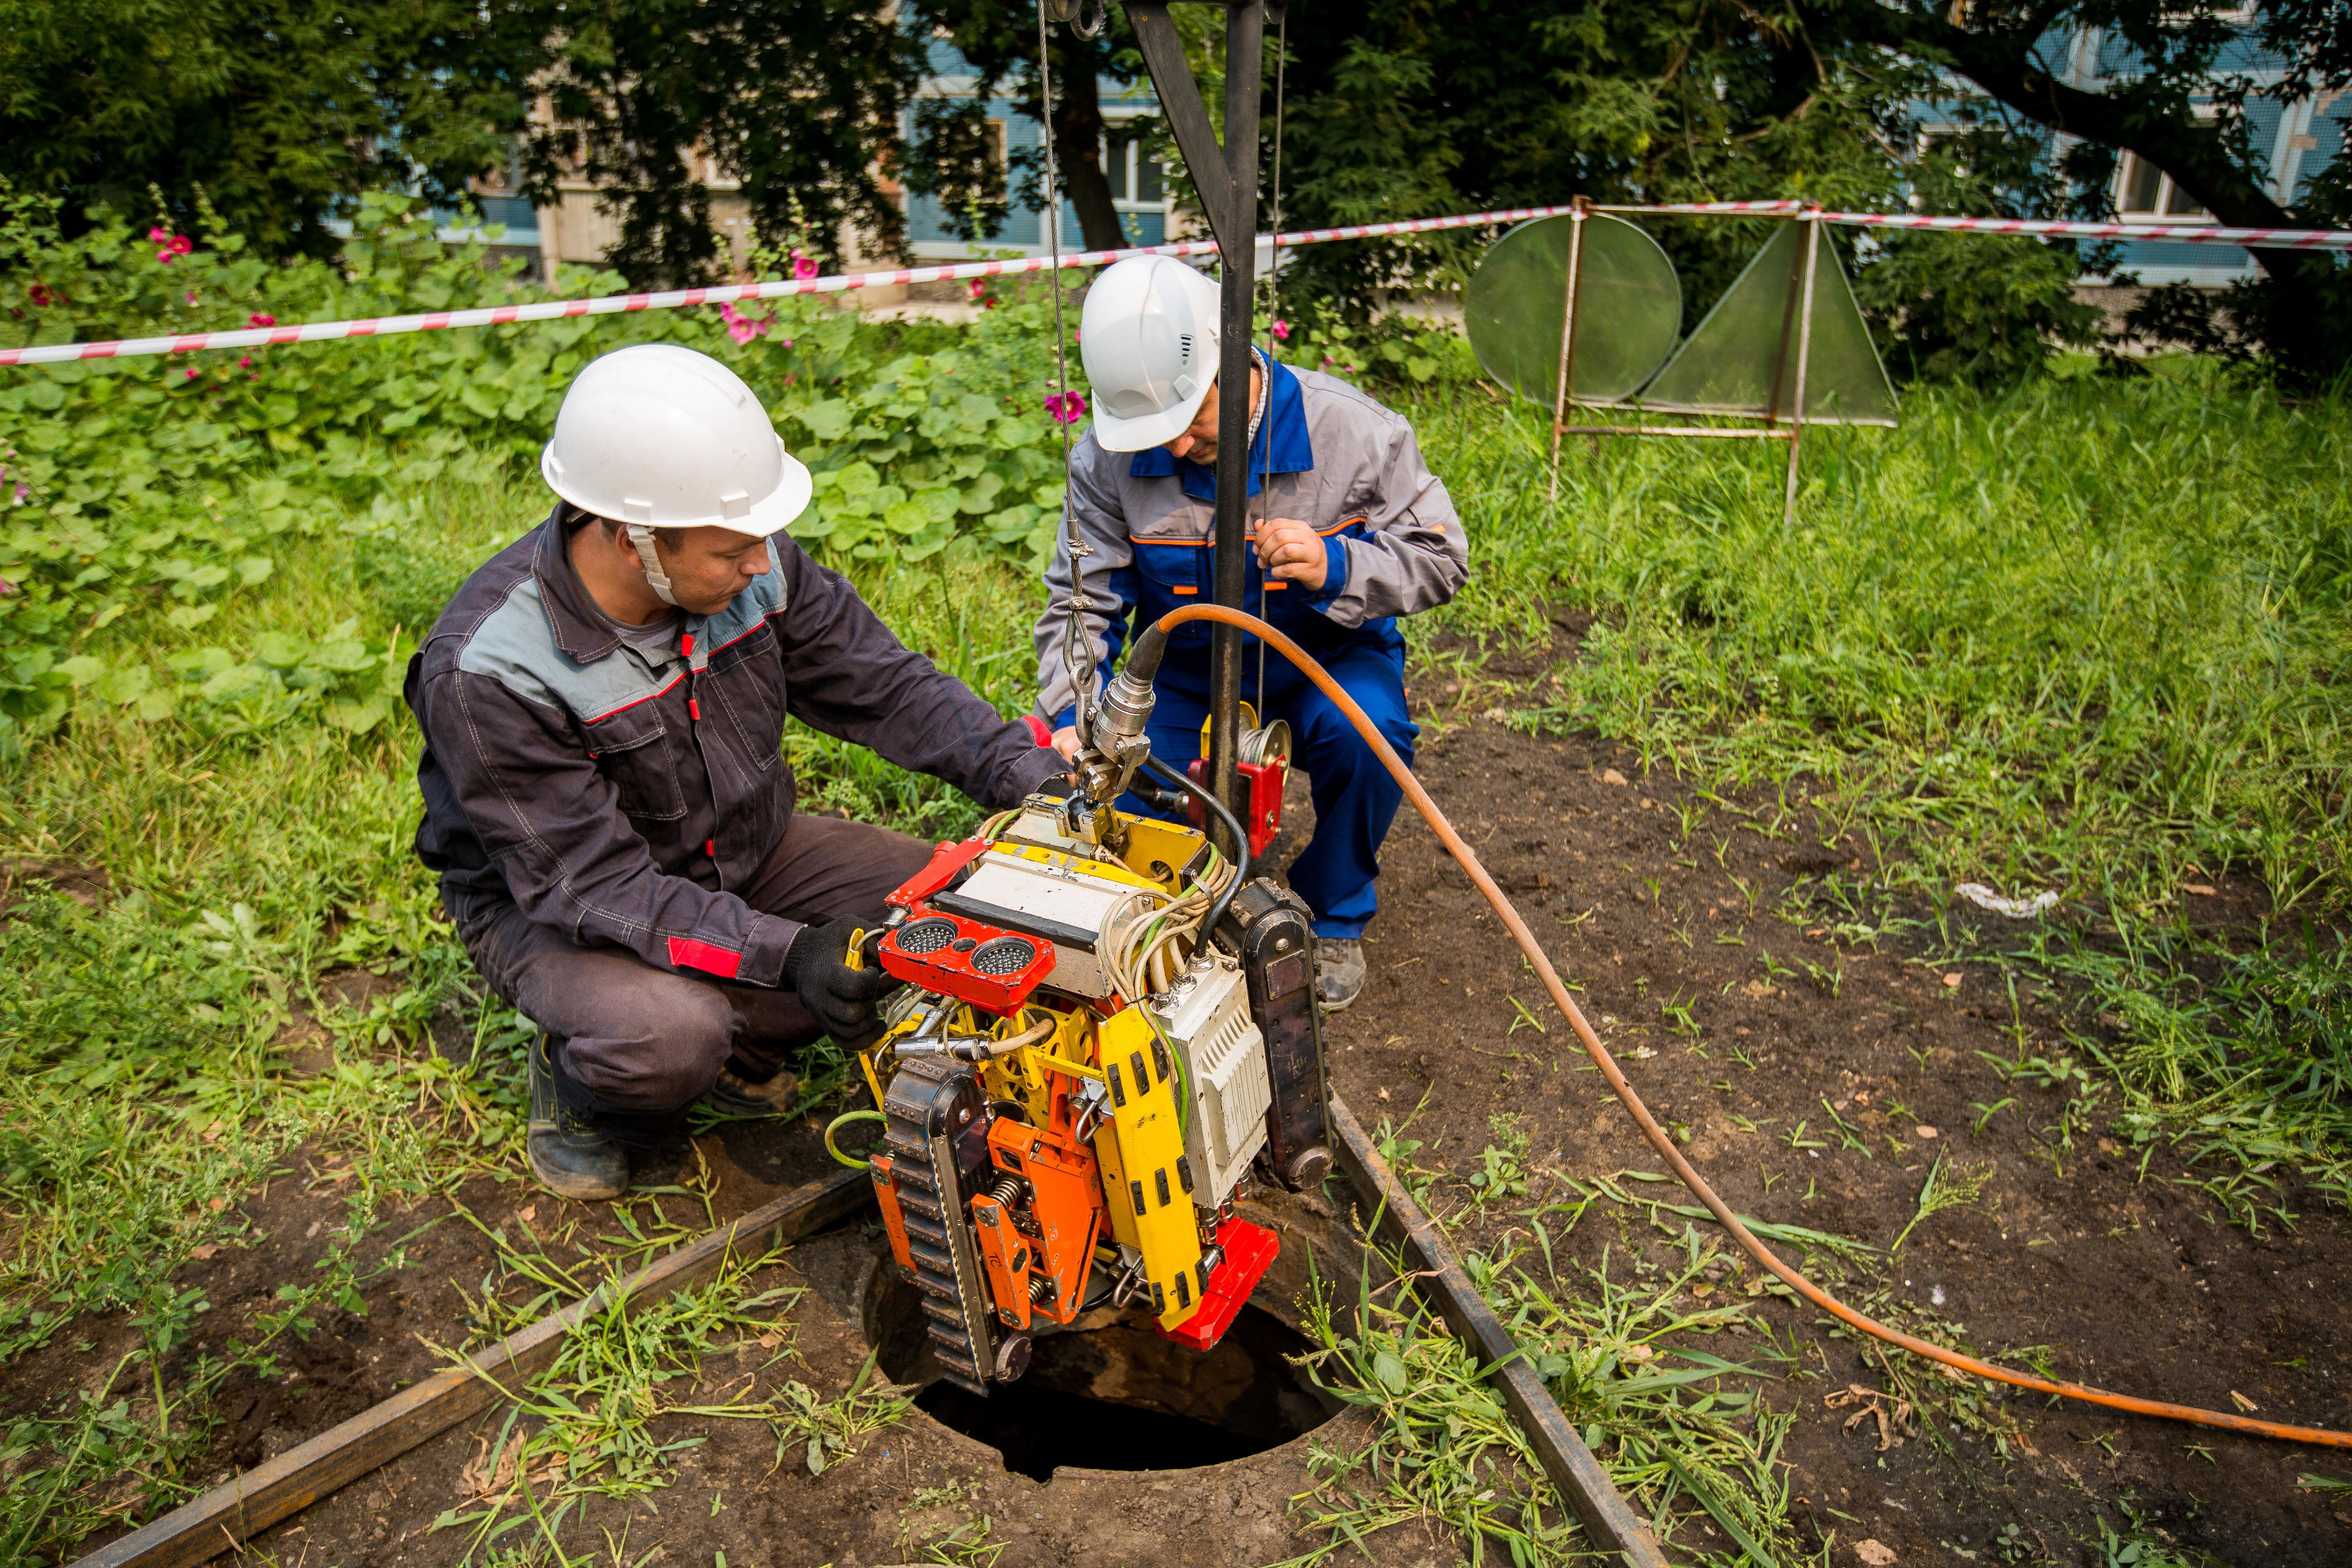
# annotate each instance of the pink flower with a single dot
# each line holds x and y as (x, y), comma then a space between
(804, 266)
(1281, 327)
(164, 257)
(1066, 408)
(191, 296)
(190, 373)
(159, 235)
(40, 296)
(978, 287)
(182, 245)
(258, 319)
(739, 327)
(787, 342)
(245, 363)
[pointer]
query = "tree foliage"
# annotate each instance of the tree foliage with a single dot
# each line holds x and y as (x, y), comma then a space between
(2175, 83)
(797, 102)
(282, 112)
(953, 157)
(1413, 112)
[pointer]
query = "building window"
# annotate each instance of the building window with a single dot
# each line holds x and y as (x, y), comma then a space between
(1132, 171)
(2147, 193)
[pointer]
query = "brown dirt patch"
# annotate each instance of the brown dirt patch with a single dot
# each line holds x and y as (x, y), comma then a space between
(2135, 1281)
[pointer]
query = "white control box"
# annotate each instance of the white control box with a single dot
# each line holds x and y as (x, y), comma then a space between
(1206, 1017)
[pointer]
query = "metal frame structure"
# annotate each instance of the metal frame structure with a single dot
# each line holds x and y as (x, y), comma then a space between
(1226, 180)
(1799, 315)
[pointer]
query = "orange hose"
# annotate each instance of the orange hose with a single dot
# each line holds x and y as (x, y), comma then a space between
(1659, 1141)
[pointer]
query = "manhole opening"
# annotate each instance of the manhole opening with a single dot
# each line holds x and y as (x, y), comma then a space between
(1108, 1395)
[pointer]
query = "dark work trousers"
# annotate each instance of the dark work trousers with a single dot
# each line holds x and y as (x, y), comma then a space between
(641, 1042)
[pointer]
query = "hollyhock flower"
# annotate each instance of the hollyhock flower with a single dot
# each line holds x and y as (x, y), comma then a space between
(190, 373)
(804, 266)
(191, 296)
(244, 363)
(978, 287)
(741, 327)
(784, 342)
(40, 296)
(1281, 327)
(1066, 408)
(182, 245)
(259, 320)
(158, 235)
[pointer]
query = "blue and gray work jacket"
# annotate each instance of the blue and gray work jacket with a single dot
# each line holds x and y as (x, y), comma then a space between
(1339, 461)
(618, 792)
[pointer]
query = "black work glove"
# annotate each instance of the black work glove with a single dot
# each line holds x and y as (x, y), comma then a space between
(838, 997)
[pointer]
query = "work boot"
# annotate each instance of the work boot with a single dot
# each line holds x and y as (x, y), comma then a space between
(738, 1096)
(1338, 971)
(570, 1154)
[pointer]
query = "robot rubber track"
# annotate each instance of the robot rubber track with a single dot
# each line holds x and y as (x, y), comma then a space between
(929, 1103)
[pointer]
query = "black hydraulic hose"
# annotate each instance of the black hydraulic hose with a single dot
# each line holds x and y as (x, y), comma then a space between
(1159, 769)
(1143, 658)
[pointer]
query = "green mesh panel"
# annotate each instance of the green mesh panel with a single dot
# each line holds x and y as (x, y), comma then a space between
(1629, 306)
(1743, 357)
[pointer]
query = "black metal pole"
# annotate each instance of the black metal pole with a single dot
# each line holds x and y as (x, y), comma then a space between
(1229, 556)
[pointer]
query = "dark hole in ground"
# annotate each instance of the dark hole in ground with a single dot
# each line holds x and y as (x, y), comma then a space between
(1108, 1395)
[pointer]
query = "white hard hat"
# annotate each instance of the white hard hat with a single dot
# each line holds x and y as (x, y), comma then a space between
(1149, 337)
(658, 436)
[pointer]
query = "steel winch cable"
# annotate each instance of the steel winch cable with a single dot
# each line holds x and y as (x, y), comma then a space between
(1143, 662)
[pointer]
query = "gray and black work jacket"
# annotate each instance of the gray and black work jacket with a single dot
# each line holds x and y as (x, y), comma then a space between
(616, 793)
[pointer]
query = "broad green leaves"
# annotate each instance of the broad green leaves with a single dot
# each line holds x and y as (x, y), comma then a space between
(161, 487)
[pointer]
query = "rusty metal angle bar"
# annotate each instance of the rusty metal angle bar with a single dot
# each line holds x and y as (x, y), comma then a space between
(1583, 1484)
(217, 1521)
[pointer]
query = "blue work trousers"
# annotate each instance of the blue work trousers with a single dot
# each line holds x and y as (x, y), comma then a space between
(1355, 798)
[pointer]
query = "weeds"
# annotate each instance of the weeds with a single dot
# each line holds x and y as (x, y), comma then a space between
(1960, 1189)
(587, 1427)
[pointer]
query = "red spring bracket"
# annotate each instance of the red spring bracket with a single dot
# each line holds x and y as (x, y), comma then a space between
(1262, 816)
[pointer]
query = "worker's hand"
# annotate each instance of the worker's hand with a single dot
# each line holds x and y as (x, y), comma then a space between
(840, 998)
(1293, 552)
(1065, 740)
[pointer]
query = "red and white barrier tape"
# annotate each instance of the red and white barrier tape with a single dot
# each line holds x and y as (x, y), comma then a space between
(2198, 233)
(2193, 233)
(674, 298)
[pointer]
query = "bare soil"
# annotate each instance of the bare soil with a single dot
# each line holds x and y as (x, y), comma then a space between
(1645, 893)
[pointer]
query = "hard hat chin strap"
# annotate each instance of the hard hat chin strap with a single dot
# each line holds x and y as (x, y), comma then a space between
(656, 578)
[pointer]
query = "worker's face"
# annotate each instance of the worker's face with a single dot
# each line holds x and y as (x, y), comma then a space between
(1198, 440)
(709, 566)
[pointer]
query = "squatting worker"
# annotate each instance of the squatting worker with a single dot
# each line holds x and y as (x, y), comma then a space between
(1353, 531)
(605, 796)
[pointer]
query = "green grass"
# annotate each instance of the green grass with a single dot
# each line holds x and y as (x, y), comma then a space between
(2079, 638)
(2083, 638)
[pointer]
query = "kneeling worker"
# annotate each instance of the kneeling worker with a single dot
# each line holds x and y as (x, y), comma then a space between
(1352, 531)
(606, 801)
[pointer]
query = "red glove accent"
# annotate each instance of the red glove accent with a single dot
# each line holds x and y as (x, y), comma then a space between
(1038, 727)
